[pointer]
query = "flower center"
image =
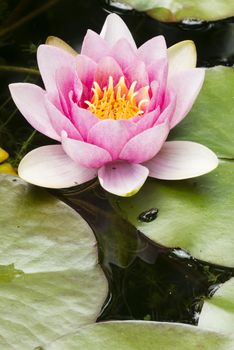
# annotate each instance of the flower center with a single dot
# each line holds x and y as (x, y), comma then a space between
(115, 102)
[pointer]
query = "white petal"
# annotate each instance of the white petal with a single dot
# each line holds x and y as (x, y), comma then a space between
(49, 166)
(181, 56)
(122, 178)
(186, 85)
(179, 160)
(114, 29)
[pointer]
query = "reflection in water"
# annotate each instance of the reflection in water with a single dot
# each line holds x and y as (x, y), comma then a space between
(146, 280)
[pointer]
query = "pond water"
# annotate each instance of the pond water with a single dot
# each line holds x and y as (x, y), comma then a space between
(147, 281)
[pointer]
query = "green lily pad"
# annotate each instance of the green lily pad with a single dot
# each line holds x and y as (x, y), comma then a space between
(218, 311)
(196, 214)
(50, 282)
(138, 335)
(177, 10)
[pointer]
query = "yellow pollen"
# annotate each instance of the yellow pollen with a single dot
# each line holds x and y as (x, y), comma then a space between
(115, 102)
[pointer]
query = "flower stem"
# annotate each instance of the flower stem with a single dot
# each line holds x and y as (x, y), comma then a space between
(25, 19)
(19, 69)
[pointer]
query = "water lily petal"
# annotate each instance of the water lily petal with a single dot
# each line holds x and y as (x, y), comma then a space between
(137, 72)
(60, 122)
(50, 59)
(30, 100)
(94, 46)
(67, 83)
(187, 85)
(122, 179)
(86, 154)
(169, 108)
(153, 50)
(83, 120)
(55, 41)
(114, 29)
(155, 93)
(147, 120)
(181, 56)
(108, 67)
(158, 70)
(111, 135)
(86, 69)
(145, 145)
(179, 160)
(123, 53)
(49, 166)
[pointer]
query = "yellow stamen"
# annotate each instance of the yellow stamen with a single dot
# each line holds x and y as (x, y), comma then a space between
(115, 102)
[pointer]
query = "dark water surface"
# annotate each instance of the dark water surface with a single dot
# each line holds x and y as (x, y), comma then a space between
(147, 281)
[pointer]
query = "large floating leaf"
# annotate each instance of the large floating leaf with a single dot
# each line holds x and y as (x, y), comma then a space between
(196, 214)
(218, 312)
(142, 336)
(177, 10)
(50, 282)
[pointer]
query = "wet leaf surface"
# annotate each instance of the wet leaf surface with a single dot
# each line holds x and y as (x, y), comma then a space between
(50, 282)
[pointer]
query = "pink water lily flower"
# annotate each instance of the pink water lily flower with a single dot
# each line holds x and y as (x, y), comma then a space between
(111, 108)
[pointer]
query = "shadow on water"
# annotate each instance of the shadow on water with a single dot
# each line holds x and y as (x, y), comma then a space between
(146, 281)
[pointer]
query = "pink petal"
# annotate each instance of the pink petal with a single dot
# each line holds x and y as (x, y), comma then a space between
(123, 53)
(153, 50)
(30, 100)
(179, 160)
(187, 86)
(145, 145)
(94, 46)
(86, 69)
(114, 29)
(137, 72)
(49, 166)
(147, 120)
(50, 59)
(169, 108)
(60, 122)
(90, 156)
(122, 179)
(107, 67)
(67, 82)
(158, 71)
(111, 135)
(155, 92)
(83, 120)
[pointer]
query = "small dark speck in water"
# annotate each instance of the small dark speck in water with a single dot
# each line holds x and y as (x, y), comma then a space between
(113, 168)
(148, 215)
